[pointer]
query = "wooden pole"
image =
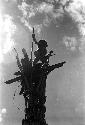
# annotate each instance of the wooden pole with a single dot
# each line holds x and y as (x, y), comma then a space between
(32, 50)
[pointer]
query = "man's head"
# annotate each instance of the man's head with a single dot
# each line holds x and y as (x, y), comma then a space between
(42, 43)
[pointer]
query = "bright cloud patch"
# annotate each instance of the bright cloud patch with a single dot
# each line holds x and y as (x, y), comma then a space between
(1, 119)
(38, 28)
(11, 0)
(53, 10)
(6, 40)
(51, 14)
(77, 11)
(3, 111)
(70, 42)
(1, 26)
(9, 29)
(44, 7)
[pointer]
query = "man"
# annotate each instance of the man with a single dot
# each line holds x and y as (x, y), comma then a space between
(40, 54)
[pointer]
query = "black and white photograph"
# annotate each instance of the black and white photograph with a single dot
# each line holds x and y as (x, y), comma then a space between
(42, 62)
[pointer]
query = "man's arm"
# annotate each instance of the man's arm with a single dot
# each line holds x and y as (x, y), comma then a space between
(50, 54)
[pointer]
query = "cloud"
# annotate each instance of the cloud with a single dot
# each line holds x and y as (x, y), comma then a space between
(7, 42)
(76, 10)
(10, 1)
(9, 29)
(28, 11)
(53, 12)
(50, 1)
(23, 8)
(26, 23)
(38, 28)
(45, 7)
(47, 21)
(82, 45)
(70, 42)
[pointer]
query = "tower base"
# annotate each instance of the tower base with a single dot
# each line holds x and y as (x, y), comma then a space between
(27, 122)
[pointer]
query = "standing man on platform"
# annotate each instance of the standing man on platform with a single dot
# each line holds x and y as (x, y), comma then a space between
(41, 53)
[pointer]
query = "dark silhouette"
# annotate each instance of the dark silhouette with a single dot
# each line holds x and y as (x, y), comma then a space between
(33, 82)
(41, 53)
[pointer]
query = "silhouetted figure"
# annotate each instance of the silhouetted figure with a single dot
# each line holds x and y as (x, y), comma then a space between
(33, 82)
(42, 51)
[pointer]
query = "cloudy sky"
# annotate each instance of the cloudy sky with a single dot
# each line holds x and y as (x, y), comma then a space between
(62, 24)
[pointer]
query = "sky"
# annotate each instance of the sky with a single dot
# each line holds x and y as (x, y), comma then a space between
(64, 30)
